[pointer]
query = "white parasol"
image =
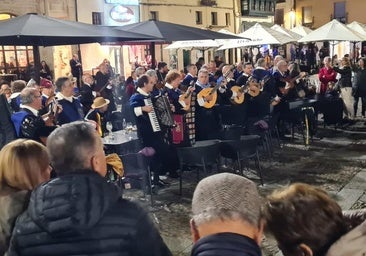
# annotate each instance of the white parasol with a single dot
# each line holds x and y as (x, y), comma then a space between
(359, 28)
(332, 31)
(258, 35)
(193, 44)
(301, 30)
(287, 32)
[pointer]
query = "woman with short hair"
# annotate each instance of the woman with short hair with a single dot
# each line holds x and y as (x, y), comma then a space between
(24, 164)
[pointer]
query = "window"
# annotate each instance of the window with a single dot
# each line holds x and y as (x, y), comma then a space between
(244, 5)
(340, 12)
(14, 59)
(198, 17)
(279, 17)
(213, 18)
(307, 15)
(154, 15)
(96, 18)
(227, 19)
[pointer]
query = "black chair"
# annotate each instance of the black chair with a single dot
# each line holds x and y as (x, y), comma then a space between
(202, 154)
(231, 132)
(240, 150)
(7, 131)
(137, 173)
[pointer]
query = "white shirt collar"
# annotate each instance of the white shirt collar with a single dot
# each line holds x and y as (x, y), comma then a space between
(169, 86)
(60, 96)
(33, 110)
(139, 90)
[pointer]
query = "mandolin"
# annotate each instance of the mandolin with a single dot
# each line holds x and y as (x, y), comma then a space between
(239, 89)
(212, 91)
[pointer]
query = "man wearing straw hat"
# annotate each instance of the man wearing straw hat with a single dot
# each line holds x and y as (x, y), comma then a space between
(96, 114)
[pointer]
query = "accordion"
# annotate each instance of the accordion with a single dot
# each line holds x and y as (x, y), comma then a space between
(163, 111)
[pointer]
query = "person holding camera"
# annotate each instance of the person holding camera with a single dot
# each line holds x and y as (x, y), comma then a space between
(345, 84)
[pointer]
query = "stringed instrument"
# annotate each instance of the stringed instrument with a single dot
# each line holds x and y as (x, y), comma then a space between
(185, 99)
(212, 91)
(53, 106)
(241, 90)
(291, 81)
(252, 87)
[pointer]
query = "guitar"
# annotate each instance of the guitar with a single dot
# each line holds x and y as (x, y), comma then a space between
(212, 91)
(185, 99)
(291, 81)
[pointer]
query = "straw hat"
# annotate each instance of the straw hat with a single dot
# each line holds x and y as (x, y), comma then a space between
(99, 102)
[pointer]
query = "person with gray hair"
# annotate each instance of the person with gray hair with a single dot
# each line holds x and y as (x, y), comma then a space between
(140, 71)
(71, 106)
(27, 121)
(226, 216)
(79, 212)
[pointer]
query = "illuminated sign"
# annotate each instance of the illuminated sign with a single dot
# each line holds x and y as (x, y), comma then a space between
(121, 13)
(124, 2)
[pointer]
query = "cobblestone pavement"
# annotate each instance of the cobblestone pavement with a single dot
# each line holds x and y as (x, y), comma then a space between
(335, 161)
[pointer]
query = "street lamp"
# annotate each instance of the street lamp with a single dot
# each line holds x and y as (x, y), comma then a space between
(292, 18)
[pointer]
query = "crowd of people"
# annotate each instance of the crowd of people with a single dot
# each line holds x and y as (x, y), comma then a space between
(59, 128)
(68, 214)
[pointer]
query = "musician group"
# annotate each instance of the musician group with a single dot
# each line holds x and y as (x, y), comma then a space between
(37, 108)
(193, 108)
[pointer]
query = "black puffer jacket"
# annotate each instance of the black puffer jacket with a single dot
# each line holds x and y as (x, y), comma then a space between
(226, 244)
(82, 214)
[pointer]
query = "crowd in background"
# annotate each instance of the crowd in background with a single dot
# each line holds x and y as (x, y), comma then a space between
(67, 214)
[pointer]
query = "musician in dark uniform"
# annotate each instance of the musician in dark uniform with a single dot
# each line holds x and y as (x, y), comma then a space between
(180, 133)
(192, 74)
(27, 122)
(207, 120)
(87, 94)
(71, 106)
(162, 160)
(247, 72)
(230, 113)
(47, 90)
(104, 86)
(281, 108)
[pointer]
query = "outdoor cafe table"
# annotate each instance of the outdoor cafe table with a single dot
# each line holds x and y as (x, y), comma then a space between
(121, 142)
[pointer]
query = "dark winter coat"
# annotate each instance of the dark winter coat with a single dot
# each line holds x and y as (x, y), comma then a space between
(226, 244)
(359, 83)
(346, 76)
(82, 214)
